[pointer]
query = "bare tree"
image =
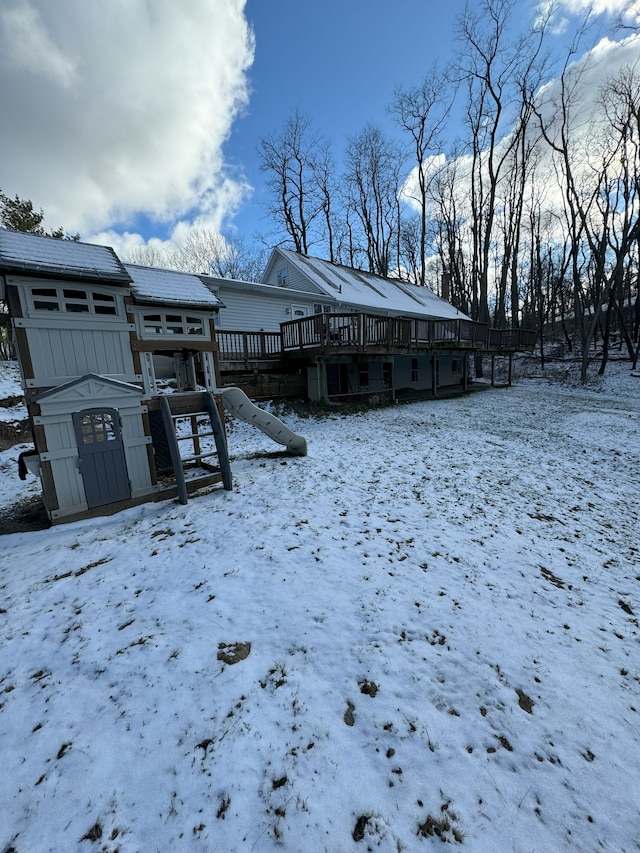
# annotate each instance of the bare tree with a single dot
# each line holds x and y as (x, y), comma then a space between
(298, 166)
(451, 214)
(498, 72)
(422, 112)
(206, 251)
(598, 173)
(372, 180)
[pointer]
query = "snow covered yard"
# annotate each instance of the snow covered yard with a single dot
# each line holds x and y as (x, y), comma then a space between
(426, 631)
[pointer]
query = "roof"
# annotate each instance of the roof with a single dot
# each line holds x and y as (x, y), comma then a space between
(88, 379)
(49, 256)
(170, 287)
(368, 291)
(273, 291)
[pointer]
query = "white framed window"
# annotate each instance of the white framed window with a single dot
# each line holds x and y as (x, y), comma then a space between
(282, 277)
(173, 324)
(72, 299)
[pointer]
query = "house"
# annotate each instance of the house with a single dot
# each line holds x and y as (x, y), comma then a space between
(349, 334)
(91, 335)
(98, 341)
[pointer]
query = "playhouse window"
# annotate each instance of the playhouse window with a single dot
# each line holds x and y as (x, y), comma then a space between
(45, 298)
(104, 303)
(181, 325)
(73, 300)
(175, 324)
(97, 428)
(152, 324)
(76, 301)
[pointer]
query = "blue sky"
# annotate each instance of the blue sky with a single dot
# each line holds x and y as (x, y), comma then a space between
(141, 119)
(339, 62)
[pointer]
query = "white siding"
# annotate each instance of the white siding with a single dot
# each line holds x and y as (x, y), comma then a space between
(62, 453)
(61, 355)
(255, 312)
(69, 487)
(135, 448)
(295, 279)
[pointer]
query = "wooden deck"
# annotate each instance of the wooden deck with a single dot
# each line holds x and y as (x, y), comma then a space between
(340, 334)
(371, 334)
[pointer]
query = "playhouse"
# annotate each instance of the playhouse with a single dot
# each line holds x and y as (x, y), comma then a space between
(98, 342)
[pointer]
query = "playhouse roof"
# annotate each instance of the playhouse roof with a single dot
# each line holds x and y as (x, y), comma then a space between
(365, 290)
(170, 287)
(32, 253)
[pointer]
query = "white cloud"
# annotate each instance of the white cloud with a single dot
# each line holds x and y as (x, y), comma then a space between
(590, 73)
(627, 10)
(28, 47)
(112, 109)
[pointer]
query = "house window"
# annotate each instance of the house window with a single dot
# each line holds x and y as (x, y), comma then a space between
(414, 369)
(456, 365)
(73, 300)
(387, 374)
(363, 376)
(282, 277)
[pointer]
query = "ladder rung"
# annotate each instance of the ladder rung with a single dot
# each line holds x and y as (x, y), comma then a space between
(198, 456)
(177, 417)
(195, 435)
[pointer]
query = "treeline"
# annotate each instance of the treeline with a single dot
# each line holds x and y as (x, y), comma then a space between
(530, 217)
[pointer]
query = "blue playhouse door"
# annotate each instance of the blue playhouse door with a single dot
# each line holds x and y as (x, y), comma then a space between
(101, 458)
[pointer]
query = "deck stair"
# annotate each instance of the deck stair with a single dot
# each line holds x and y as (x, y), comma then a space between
(192, 407)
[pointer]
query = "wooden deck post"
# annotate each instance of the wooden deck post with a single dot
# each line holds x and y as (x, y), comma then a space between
(433, 376)
(510, 365)
(493, 366)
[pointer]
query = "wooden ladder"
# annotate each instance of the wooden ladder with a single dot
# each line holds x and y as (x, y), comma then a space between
(194, 405)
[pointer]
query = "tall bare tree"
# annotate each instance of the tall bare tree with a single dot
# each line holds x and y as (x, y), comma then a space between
(372, 180)
(298, 166)
(498, 71)
(422, 112)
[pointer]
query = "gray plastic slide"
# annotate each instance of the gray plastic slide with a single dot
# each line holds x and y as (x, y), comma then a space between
(240, 406)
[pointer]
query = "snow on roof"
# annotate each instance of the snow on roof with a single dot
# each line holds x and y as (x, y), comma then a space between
(366, 290)
(20, 252)
(170, 287)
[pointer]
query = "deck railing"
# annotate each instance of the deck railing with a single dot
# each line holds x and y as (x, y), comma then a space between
(365, 333)
(249, 346)
(512, 339)
(328, 332)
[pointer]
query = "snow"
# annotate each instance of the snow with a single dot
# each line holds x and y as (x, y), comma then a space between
(169, 287)
(21, 251)
(474, 559)
(361, 289)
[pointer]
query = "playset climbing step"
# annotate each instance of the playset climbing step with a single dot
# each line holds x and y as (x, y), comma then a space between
(190, 409)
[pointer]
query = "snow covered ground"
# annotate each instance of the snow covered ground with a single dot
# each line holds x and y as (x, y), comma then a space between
(425, 631)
